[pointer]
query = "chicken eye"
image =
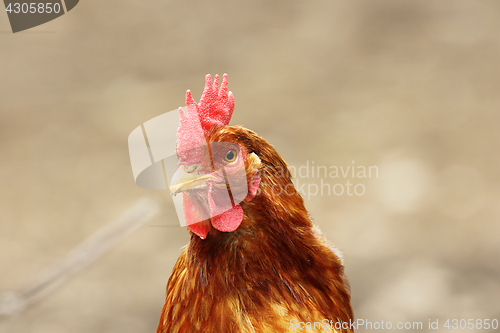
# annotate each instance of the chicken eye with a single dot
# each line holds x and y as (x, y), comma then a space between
(230, 155)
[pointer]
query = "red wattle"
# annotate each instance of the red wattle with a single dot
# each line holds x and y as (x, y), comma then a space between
(193, 218)
(201, 229)
(228, 221)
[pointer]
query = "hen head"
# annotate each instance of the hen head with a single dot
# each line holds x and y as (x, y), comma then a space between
(216, 169)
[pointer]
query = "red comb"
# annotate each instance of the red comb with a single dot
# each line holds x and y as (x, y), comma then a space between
(215, 109)
(216, 106)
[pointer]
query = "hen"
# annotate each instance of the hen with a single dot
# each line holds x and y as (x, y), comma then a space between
(255, 261)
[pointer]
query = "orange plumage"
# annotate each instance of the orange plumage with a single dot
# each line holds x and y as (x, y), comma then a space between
(274, 271)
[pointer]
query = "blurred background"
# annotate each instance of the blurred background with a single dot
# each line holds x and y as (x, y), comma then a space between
(409, 87)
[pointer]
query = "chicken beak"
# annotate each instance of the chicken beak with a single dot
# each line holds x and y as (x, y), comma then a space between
(185, 178)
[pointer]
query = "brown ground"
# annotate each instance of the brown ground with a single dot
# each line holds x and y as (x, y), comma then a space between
(410, 87)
